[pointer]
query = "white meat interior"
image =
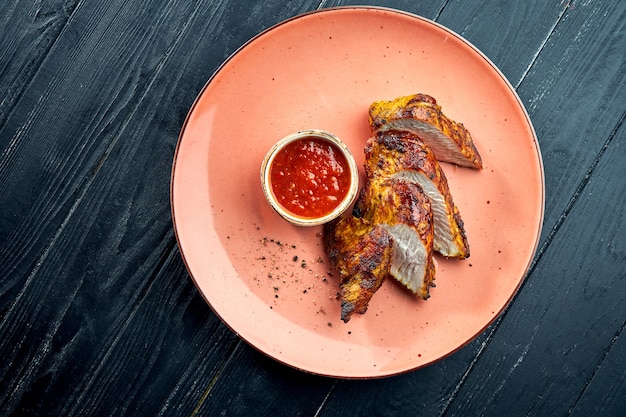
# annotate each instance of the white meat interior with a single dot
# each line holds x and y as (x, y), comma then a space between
(442, 146)
(443, 240)
(409, 256)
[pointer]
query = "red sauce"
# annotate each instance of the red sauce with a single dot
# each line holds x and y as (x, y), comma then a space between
(310, 177)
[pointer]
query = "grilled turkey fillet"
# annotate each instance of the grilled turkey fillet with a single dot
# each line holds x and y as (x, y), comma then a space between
(362, 254)
(389, 234)
(420, 114)
(393, 154)
(402, 208)
(405, 209)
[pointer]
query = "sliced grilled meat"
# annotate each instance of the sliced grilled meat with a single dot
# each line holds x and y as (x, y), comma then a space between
(405, 212)
(362, 254)
(420, 113)
(395, 154)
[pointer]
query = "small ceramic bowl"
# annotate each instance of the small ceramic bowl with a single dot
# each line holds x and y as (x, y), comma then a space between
(302, 161)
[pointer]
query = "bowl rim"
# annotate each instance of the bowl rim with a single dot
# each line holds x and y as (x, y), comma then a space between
(337, 211)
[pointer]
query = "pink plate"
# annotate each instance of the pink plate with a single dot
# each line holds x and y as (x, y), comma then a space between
(270, 281)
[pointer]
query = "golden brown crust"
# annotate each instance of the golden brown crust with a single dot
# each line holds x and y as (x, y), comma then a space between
(405, 209)
(396, 202)
(362, 255)
(402, 154)
(420, 113)
(367, 247)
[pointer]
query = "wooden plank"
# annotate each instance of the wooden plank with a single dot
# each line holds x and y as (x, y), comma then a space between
(604, 396)
(510, 34)
(535, 362)
(68, 281)
(57, 149)
(576, 89)
(61, 298)
(264, 387)
(29, 30)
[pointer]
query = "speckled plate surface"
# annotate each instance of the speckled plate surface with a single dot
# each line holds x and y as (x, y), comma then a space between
(270, 281)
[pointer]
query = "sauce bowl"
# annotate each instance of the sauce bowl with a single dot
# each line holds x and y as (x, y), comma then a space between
(309, 177)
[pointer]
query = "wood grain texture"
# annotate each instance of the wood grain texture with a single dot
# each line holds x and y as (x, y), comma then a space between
(604, 395)
(29, 30)
(510, 34)
(73, 99)
(75, 303)
(575, 92)
(264, 387)
(98, 315)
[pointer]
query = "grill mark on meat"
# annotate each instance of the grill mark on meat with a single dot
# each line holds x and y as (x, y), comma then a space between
(420, 114)
(403, 209)
(362, 254)
(403, 155)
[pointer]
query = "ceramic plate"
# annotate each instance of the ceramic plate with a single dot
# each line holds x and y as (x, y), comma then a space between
(270, 281)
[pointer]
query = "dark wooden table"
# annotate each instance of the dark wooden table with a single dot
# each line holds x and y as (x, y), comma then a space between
(98, 315)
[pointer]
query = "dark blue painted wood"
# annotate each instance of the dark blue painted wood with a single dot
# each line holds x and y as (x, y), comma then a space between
(97, 313)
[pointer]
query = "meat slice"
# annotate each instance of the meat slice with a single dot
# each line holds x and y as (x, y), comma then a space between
(394, 154)
(362, 255)
(405, 212)
(420, 114)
